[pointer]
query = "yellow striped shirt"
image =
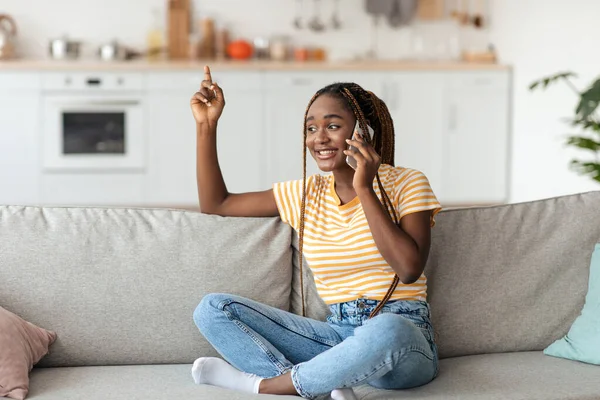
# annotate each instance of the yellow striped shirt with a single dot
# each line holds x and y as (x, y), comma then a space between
(338, 244)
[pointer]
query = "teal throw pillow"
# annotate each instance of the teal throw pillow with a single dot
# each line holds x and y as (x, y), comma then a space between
(582, 343)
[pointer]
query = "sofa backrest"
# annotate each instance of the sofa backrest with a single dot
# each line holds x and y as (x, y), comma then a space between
(119, 286)
(503, 278)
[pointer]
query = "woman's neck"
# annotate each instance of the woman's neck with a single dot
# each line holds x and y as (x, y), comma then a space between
(343, 185)
(343, 178)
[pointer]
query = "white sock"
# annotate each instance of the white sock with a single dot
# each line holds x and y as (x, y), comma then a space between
(343, 394)
(217, 372)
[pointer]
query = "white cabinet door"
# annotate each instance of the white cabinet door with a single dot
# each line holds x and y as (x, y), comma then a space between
(171, 179)
(415, 101)
(171, 171)
(19, 144)
(476, 137)
(287, 96)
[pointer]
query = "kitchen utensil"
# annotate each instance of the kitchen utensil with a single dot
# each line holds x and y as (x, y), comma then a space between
(280, 48)
(298, 19)
(484, 57)
(112, 51)
(240, 50)
(408, 9)
(8, 33)
(395, 18)
(460, 13)
(64, 49)
(179, 20)
(315, 24)
(221, 43)
(403, 12)
(431, 9)
(378, 9)
(336, 22)
(208, 41)
(465, 17)
(317, 54)
(478, 18)
(301, 54)
(261, 48)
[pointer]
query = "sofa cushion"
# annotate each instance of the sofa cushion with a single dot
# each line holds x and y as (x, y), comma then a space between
(529, 375)
(22, 345)
(511, 277)
(119, 286)
(582, 343)
(137, 382)
(502, 278)
(515, 376)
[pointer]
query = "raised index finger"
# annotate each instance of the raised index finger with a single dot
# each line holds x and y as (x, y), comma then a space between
(207, 76)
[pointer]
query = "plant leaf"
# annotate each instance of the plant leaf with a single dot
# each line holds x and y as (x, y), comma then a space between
(583, 143)
(590, 99)
(587, 168)
(546, 81)
(588, 124)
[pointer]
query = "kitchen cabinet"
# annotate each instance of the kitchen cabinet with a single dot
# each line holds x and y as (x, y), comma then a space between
(475, 138)
(286, 98)
(19, 126)
(453, 125)
(171, 174)
(416, 103)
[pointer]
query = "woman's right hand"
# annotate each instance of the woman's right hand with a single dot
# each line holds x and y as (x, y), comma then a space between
(208, 103)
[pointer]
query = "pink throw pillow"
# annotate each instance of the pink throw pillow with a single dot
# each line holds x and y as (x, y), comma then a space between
(22, 345)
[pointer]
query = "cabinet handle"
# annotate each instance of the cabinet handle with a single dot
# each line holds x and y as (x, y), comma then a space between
(452, 118)
(93, 81)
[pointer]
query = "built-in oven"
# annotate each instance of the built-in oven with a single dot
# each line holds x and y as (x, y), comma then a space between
(93, 122)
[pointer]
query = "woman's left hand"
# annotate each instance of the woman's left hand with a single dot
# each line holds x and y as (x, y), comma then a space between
(367, 163)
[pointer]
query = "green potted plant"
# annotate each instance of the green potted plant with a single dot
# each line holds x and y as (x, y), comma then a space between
(585, 119)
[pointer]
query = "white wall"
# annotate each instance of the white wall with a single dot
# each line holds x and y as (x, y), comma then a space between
(97, 21)
(536, 37)
(541, 37)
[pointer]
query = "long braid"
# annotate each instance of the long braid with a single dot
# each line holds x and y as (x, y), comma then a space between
(303, 207)
(387, 157)
(368, 109)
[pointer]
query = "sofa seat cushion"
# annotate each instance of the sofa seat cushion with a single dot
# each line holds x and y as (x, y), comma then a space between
(136, 382)
(119, 286)
(515, 376)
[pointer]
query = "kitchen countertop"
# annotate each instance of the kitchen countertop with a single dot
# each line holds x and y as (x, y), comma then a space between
(144, 65)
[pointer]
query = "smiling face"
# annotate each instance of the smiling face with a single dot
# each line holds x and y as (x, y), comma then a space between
(328, 124)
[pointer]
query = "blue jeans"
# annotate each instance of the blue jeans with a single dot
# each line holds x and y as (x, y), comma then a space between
(394, 350)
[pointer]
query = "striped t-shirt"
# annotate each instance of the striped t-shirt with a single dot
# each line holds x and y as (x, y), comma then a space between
(338, 244)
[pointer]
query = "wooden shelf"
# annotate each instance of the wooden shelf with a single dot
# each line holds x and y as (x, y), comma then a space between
(142, 66)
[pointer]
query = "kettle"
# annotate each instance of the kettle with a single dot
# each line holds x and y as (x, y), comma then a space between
(8, 32)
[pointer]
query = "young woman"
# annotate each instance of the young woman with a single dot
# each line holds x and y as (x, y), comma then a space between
(365, 233)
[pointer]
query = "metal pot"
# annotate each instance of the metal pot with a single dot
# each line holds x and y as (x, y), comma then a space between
(112, 51)
(64, 49)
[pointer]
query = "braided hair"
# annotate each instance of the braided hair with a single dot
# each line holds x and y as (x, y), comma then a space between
(368, 110)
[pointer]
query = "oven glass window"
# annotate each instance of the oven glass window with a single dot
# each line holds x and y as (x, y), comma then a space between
(93, 133)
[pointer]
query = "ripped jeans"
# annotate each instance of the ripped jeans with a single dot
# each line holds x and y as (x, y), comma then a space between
(393, 350)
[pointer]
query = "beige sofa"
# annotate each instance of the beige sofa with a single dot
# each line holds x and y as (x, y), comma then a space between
(119, 287)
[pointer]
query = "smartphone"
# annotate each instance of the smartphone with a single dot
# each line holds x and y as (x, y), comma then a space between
(357, 129)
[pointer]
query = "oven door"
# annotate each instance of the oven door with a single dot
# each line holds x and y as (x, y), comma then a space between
(104, 132)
